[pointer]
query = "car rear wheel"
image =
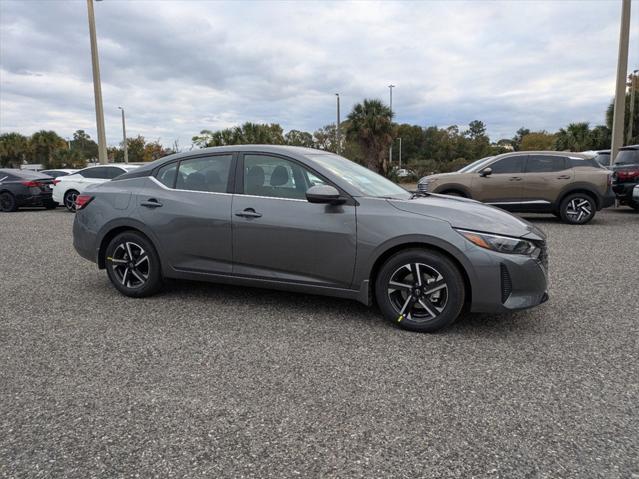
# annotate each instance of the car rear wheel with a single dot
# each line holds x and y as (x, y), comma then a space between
(69, 200)
(8, 202)
(577, 209)
(133, 265)
(420, 290)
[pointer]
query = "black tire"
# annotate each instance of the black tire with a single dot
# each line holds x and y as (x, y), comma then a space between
(430, 312)
(135, 277)
(8, 203)
(577, 209)
(69, 200)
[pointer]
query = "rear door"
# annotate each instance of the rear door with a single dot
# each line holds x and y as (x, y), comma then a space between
(279, 235)
(187, 204)
(504, 185)
(545, 176)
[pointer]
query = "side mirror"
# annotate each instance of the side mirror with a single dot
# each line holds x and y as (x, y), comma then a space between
(325, 194)
(486, 172)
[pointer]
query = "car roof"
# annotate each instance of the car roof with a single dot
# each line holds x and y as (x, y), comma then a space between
(542, 152)
(630, 147)
(23, 173)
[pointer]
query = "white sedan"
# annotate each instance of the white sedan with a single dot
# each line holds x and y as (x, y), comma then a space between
(69, 187)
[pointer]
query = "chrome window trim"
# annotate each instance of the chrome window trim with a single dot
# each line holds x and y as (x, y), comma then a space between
(153, 178)
(532, 202)
(271, 197)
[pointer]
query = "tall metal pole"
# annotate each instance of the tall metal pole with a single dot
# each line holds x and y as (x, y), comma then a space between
(124, 144)
(620, 91)
(390, 149)
(634, 86)
(400, 152)
(97, 87)
(337, 125)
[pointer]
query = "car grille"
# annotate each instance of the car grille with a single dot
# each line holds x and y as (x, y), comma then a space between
(506, 283)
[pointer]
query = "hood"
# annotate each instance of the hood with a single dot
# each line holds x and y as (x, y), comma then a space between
(437, 176)
(471, 215)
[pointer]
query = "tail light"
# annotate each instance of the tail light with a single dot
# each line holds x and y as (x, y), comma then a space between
(627, 175)
(55, 182)
(82, 201)
(31, 183)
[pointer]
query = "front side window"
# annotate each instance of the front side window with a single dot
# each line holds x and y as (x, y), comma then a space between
(210, 173)
(545, 163)
(508, 165)
(276, 177)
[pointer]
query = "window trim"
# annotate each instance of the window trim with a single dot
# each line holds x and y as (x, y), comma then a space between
(239, 178)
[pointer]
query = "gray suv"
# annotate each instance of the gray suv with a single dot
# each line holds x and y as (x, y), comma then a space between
(305, 220)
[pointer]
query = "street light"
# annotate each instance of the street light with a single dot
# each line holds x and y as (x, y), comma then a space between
(337, 135)
(97, 87)
(124, 145)
(390, 149)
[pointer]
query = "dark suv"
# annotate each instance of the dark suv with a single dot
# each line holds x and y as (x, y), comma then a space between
(626, 175)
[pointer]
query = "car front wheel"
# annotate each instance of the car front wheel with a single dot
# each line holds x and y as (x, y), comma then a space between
(577, 209)
(420, 290)
(133, 265)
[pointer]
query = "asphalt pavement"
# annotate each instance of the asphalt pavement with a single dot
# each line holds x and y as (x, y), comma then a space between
(219, 381)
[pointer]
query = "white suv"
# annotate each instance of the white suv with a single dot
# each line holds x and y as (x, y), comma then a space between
(70, 186)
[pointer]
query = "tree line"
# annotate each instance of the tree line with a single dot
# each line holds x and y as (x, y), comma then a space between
(365, 136)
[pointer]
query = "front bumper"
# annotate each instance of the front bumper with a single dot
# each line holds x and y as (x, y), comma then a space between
(510, 282)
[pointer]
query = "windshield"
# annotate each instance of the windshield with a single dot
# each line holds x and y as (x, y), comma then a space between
(475, 165)
(366, 181)
(627, 157)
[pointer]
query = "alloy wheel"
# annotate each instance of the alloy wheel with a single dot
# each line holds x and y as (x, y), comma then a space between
(417, 292)
(6, 202)
(69, 200)
(579, 209)
(130, 264)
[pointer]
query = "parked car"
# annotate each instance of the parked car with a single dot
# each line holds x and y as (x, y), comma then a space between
(603, 158)
(626, 175)
(57, 173)
(635, 197)
(299, 219)
(24, 188)
(570, 185)
(70, 186)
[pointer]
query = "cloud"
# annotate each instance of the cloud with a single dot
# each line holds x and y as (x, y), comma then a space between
(179, 67)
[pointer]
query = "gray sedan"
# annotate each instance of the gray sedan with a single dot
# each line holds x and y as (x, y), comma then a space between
(310, 221)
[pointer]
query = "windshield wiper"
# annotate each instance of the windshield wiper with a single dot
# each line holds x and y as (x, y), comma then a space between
(418, 194)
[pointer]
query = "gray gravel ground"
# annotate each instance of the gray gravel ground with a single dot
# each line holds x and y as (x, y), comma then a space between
(219, 381)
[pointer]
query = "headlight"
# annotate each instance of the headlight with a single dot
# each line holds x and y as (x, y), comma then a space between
(502, 244)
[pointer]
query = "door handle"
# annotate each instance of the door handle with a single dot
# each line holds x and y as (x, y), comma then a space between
(151, 203)
(515, 178)
(563, 177)
(248, 213)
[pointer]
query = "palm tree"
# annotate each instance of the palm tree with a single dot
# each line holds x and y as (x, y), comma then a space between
(14, 149)
(370, 125)
(44, 145)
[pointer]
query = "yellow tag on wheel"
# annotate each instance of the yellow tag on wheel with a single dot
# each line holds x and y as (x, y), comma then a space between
(401, 316)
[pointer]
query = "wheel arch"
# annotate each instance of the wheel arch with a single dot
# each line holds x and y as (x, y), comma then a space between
(390, 251)
(583, 188)
(113, 230)
(456, 187)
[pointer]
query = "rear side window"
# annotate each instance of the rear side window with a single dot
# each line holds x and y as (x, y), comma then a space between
(510, 164)
(99, 172)
(167, 175)
(545, 163)
(592, 162)
(114, 172)
(209, 173)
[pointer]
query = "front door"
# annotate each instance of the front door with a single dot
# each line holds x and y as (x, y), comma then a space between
(188, 206)
(279, 235)
(504, 186)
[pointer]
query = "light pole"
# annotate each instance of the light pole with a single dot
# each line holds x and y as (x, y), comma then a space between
(390, 149)
(97, 87)
(124, 145)
(400, 152)
(337, 133)
(620, 91)
(634, 86)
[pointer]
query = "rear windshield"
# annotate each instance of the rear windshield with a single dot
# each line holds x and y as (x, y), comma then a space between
(627, 157)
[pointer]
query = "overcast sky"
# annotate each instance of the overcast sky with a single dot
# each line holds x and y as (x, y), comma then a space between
(179, 67)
